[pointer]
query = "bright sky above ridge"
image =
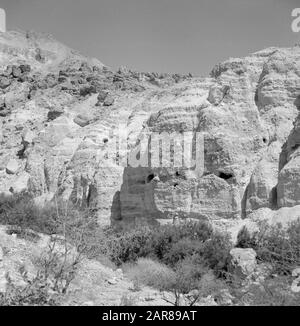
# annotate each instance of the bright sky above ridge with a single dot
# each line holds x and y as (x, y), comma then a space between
(159, 35)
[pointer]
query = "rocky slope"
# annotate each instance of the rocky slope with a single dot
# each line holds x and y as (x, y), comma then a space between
(61, 116)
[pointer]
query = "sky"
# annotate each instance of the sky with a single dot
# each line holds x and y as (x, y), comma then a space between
(178, 36)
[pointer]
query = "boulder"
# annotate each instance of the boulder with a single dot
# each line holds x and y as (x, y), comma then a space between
(28, 137)
(82, 120)
(12, 166)
(109, 100)
(21, 183)
(16, 71)
(4, 82)
(25, 68)
(243, 261)
(102, 96)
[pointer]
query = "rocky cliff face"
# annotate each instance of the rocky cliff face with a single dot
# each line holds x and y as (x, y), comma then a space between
(62, 116)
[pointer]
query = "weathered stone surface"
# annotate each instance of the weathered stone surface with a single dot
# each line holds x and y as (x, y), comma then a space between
(244, 110)
(28, 137)
(4, 82)
(20, 183)
(243, 261)
(109, 100)
(102, 96)
(12, 166)
(261, 191)
(82, 120)
(289, 174)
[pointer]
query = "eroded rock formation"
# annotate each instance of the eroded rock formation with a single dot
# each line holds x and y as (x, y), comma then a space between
(60, 117)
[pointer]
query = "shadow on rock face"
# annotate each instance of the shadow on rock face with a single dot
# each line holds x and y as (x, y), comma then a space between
(134, 203)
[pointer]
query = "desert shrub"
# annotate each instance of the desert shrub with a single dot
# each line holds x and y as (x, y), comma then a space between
(189, 275)
(216, 252)
(20, 211)
(209, 284)
(56, 269)
(21, 214)
(151, 273)
(171, 243)
(189, 272)
(192, 281)
(180, 250)
(270, 292)
(275, 245)
(35, 293)
(168, 243)
(127, 246)
(59, 265)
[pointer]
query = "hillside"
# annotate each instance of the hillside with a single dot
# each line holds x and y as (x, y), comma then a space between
(61, 111)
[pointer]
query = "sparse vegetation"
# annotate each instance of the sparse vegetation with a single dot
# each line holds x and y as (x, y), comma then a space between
(56, 269)
(187, 260)
(172, 258)
(170, 244)
(149, 272)
(275, 245)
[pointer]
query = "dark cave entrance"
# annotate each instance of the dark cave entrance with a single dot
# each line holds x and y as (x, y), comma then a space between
(225, 176)
(150, 177)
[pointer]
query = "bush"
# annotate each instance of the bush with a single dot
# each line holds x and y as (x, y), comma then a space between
(151, 273)
(180, 250)
(168, 243)
(56, 269)
(20, 212)
(127, 246)
(275, 245)
(216, 252)
(171, 243)
(193, 280)
(270, 292)
(35, 293)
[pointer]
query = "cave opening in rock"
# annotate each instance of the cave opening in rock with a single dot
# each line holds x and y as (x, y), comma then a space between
(150, 177)
(225, 176)
(265, 140)
(293, 148)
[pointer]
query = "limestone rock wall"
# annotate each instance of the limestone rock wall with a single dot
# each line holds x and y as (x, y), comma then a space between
(61, 113)
(245, 111)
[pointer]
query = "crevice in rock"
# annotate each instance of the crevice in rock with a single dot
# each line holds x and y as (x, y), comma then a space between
(244, 203)
(256, 97)
(21, 153)
(273, 198)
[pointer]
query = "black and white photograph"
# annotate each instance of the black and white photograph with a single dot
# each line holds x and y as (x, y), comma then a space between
(149, 156)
